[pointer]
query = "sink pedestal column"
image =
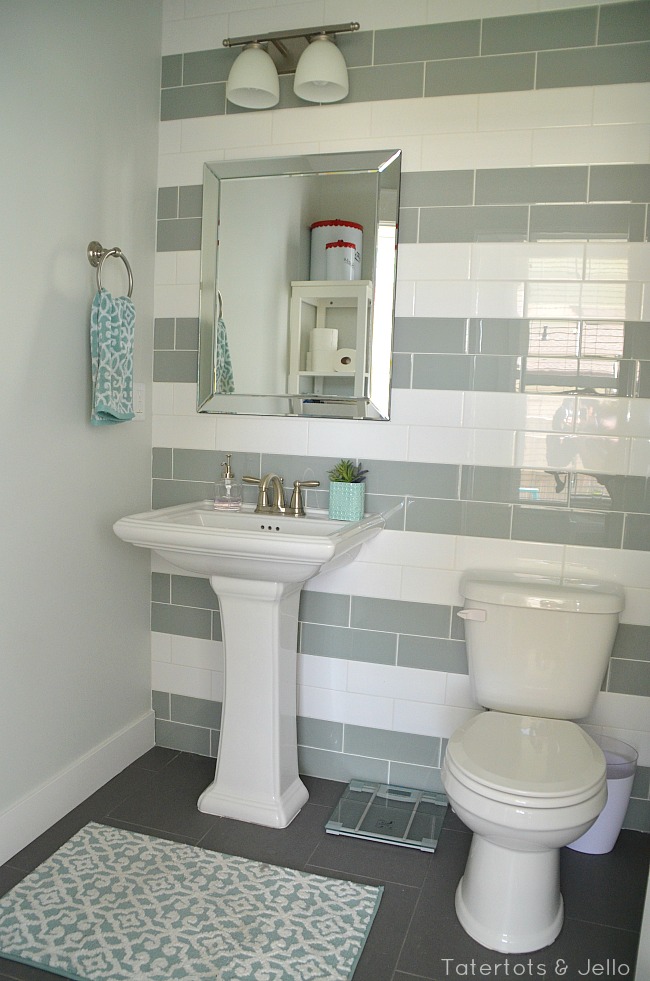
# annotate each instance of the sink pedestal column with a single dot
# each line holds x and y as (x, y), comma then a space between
(256, 776)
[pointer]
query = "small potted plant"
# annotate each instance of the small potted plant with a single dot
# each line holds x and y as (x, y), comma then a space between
(347, 491)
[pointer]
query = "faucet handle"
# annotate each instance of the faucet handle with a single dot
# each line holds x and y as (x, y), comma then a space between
(297, 507)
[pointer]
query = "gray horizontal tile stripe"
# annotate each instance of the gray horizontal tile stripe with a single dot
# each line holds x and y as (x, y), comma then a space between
(520, 52)
(500, 204)
(622, 22)
(536, 32)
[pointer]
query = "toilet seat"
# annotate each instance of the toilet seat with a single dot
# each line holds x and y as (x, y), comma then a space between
(526, 761)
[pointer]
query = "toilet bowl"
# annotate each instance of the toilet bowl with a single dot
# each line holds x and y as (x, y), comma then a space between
(525, 786)
(522, 776)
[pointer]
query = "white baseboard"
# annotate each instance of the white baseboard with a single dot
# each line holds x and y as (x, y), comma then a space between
(35, 813)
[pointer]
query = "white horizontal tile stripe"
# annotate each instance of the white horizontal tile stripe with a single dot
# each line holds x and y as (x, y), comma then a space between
(459, 692)
(348, 438)
(176, 301)
(413, 117)
(420, 584)
(627, 144)
(424, 720)
(195, 433)
(438, 444)
(322, 672)
(416, 406)
(627, 261)
(527, 261)
(411, 548)
(621, 103)
(361, 710)
(194, 652)
(435, 261)
(259, 434)
(361, 579)
(537, 109)
(181, 680)
(397, 682)
(469, 151)
(614, 709)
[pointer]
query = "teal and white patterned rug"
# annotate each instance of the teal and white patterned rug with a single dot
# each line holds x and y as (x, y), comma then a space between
(111, 905)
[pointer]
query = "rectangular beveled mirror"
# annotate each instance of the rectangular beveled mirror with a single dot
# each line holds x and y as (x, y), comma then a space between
(268, 282)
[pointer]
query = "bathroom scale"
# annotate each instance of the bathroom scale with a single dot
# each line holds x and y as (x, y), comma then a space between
(395, 815)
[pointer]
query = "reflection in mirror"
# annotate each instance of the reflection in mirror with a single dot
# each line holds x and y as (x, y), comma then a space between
(282, 333)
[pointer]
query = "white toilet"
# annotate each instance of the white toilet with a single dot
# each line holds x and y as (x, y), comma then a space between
(524, 779)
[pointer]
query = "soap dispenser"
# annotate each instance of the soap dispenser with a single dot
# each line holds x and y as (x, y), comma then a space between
(227, 490)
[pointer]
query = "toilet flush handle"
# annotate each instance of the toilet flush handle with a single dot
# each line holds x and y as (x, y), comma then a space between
(472, 614)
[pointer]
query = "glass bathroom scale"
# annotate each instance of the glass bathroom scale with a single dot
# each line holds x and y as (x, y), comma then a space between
(395, 815)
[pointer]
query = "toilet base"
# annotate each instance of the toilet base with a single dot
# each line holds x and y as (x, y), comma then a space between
(510, 900)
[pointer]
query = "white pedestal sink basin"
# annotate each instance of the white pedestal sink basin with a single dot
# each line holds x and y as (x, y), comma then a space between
(257, 565)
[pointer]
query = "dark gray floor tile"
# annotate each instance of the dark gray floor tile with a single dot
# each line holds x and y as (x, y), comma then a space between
(608, 889)
(379, 957)
(356, 856)
(291, 846)
(416, 935)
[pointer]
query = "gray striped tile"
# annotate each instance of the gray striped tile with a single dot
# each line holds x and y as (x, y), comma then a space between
(465, 76)
(320, 734)
(530, 185)
(168, 202)
(190, 101)
(184, 621)
(580, 222)
(389, 745)
(172, 70)
(328, 608)
(497, 223)
(426, 619)
(611, 182)
(610, 65)
(381, 82)
(443, 187)
(208, 66)
(431, 335)
(175, 366)
(196, 711)
(535, 32)
(454, 39)
(179, 235)
(622, 22)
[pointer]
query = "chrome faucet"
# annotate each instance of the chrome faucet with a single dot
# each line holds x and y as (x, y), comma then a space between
(271, 482)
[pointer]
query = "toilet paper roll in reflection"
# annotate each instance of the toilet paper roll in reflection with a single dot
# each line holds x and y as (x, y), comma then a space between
(324, 338)
(323, 361)
(345, 359)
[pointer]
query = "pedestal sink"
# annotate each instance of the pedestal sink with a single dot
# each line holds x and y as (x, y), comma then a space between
(257, 565)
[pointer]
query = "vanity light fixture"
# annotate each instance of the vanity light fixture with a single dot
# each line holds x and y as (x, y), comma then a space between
(253, 80)
(321, 74)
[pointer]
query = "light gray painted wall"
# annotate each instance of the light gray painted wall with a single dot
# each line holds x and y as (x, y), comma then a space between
(78, 162)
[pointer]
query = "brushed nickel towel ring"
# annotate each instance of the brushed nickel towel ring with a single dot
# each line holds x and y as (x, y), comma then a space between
(96, 255)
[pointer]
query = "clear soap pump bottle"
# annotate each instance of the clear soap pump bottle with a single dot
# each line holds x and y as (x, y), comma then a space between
(227, 490)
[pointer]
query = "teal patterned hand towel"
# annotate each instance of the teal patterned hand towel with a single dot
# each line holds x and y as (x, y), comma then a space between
(112, 322)
(224, 379)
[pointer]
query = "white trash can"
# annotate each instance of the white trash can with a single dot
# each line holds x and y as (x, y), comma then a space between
(621, 766)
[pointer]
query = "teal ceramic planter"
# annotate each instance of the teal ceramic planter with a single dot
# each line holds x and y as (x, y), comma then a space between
(347, 501)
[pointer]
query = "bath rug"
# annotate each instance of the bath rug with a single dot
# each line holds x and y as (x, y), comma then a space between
(112, 905)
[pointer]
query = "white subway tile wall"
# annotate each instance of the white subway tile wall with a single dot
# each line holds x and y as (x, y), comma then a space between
(524, 230)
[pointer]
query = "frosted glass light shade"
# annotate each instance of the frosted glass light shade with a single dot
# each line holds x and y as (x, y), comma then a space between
(253, 80)
(321, 74)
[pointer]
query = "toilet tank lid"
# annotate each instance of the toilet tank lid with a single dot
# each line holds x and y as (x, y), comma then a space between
(538, 592)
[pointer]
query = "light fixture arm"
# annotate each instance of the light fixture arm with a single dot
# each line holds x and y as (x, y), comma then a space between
(307, 32)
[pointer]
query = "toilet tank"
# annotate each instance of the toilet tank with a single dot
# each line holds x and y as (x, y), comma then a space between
(538, 646)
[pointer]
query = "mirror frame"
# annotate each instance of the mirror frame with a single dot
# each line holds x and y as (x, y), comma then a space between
(386, 165)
